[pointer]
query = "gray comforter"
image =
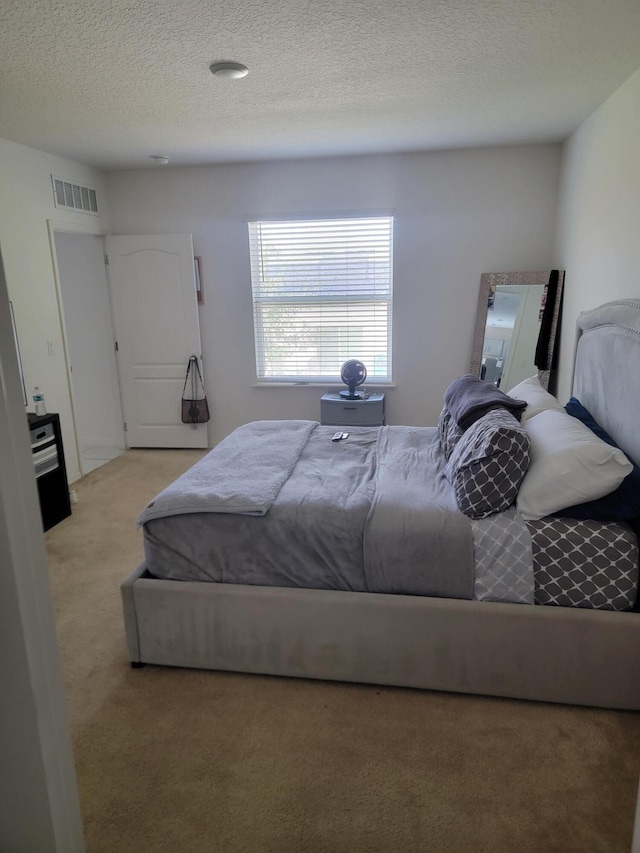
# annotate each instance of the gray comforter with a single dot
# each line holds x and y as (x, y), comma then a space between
(372, 513)
(277, 503)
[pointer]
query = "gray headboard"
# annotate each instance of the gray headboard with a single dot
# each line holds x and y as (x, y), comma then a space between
(607, 370)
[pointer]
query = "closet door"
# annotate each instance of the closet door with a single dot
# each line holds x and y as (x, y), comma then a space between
(155, 313)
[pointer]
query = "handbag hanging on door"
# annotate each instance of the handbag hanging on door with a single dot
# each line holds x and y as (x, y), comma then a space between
(194, 410)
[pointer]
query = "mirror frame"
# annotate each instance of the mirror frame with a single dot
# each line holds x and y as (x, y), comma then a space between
(489, 280)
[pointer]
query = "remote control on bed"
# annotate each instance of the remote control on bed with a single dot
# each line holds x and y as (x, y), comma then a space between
(338, 436)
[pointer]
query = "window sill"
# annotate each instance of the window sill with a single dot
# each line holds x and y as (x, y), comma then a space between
(374, 386)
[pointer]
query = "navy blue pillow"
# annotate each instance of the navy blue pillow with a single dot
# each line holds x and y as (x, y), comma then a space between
(621, 505)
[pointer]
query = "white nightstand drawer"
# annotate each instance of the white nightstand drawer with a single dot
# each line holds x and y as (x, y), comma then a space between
(338, 411)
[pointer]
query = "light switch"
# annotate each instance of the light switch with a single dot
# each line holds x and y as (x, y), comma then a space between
(51, 348)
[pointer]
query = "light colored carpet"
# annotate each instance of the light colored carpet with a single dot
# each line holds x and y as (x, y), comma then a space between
(183, 760)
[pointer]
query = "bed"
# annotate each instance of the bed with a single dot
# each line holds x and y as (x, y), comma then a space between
(409, 631)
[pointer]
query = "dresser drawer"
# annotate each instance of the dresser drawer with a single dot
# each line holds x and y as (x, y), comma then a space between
(336, 411)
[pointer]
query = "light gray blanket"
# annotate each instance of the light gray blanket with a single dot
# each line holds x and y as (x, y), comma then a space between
(242, 475)
(311, 537)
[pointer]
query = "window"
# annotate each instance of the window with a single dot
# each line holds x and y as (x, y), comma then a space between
(322, 294)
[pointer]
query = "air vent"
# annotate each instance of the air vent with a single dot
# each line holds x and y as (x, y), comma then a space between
(73, 196)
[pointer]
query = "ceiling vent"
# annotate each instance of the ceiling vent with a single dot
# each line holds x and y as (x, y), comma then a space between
(73, 196)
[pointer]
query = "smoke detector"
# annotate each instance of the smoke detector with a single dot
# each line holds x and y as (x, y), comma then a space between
(159, 159)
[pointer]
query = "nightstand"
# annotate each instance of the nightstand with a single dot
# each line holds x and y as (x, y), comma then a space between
(339, 411)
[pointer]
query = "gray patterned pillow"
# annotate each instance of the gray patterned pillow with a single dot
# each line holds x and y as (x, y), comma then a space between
(449, 432)
(488, 463)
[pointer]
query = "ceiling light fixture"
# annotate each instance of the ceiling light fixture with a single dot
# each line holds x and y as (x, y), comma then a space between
(228, 70)
(159, 159)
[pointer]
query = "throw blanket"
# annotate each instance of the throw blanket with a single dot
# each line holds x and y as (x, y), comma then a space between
(468, 399)
(242, 475)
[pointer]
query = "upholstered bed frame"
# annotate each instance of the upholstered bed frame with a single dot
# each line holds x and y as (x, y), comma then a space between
(555, 654)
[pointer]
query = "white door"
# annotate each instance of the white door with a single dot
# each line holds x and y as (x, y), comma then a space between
(155, 314)
(89, 333)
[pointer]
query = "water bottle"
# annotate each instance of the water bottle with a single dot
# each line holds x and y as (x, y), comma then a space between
(38, 399)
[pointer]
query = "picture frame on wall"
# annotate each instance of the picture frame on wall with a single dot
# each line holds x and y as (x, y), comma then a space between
(17, 345)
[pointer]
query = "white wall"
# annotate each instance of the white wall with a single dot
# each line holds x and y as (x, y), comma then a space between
(599, 214)
(26, 202)
(458, 214)
(39, 808)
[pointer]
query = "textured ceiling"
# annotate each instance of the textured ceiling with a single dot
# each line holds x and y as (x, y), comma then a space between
(110, 82)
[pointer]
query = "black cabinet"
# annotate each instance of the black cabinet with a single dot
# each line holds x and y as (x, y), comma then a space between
(49, 468)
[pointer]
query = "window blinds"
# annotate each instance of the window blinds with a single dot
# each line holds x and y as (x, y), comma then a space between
(322, 294)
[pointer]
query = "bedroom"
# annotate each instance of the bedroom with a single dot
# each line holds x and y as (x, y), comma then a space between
(594, 177)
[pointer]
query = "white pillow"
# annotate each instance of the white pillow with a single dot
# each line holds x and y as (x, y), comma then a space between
(569, 465)
(537, 399)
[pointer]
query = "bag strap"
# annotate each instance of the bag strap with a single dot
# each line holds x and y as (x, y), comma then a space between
(193, 361)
